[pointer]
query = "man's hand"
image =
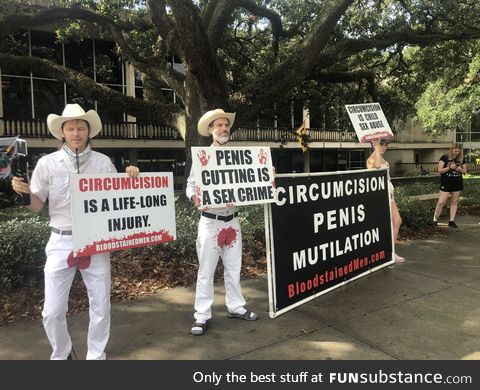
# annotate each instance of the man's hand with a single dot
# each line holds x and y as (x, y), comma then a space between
(196, 200)
(132, 171)
(19, 186)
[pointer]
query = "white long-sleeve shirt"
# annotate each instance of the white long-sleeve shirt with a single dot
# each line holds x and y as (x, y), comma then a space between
(51, 180)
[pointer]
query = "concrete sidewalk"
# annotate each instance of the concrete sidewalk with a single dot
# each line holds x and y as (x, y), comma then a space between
(427, 308)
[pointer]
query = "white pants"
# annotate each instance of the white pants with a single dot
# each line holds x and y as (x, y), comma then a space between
(218, 239)
(58, 281)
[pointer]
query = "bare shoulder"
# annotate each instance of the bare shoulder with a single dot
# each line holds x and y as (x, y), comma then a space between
(371, 162)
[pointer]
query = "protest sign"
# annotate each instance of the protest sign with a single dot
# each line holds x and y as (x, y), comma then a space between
(112, 212)
(227, 177)
(7, 152)
(369, 121)
(324, 231)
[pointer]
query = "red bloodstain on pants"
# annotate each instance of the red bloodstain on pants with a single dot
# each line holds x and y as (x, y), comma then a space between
(81, 262)
(226, 237)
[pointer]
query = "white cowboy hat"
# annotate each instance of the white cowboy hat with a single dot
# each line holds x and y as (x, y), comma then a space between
(210, 116)
(71, 112)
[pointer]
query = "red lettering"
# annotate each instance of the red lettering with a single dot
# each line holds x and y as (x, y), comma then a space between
(82, 183)
(97, 184)
(291, 291)
(135, 183)
(107, 184)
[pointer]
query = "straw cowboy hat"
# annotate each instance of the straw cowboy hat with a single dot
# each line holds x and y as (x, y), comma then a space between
(210, 116)
(71, 112)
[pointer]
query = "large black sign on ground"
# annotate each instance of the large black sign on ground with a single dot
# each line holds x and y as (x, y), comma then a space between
(325, 230)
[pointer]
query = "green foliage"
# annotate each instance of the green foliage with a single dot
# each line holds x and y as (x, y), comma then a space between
(22, 250)
(253, 226)
(419, 188)
(187, 223)
(470, 196)
(452, 92)
(415, 213)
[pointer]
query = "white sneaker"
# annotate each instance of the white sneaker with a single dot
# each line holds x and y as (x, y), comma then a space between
(398, 259)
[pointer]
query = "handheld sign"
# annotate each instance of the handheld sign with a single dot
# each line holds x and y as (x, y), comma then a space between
(325, 230)
(233, 176)
(369, 121)
(113, 211)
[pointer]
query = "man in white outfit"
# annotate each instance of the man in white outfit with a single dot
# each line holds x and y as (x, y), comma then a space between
(219, 235)
(51, 180)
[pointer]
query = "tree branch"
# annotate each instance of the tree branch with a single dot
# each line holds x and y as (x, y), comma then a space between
(159, 17)
(349, 47)
(306, 59)
(166, 113)
(53, 15)
(218, 13)
(197, 53)
(148, 66)
(275, 20)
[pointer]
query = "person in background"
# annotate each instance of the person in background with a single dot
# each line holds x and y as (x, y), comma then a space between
(51, 180)
(451, 167)
(376, 161)
(219, 235)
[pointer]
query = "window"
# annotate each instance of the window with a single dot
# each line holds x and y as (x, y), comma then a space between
(48, 98)
(45, 45)
(108, 64)
(79, 57)
(17, 100)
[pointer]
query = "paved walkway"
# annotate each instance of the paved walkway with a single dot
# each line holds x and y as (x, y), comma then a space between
(427, 308)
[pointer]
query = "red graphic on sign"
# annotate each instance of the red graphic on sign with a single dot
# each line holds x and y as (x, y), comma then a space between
(262, 157)
(202, 156)
(226, 237)
(82, 262)
(131, 241)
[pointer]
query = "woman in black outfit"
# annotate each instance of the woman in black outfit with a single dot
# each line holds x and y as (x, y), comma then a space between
(451, 168)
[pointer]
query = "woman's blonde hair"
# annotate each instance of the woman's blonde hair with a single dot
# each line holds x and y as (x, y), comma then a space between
(459, 158)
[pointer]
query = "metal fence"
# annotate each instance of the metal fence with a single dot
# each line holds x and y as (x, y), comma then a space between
(283, 135)
(427, 168)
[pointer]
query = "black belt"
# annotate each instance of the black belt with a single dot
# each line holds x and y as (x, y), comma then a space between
(62, 232)
(224, 218)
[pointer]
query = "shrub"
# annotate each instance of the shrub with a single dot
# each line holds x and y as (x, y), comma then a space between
(410, 174)
(417, 188)
(470, 196)
(187, 224)
(415, 213)
(253, 225)
(22, 250)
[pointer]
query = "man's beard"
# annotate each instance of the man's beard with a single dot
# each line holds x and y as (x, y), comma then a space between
(221, 139)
